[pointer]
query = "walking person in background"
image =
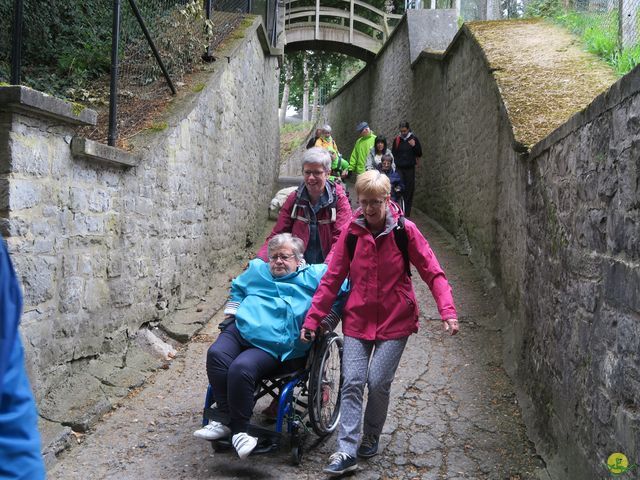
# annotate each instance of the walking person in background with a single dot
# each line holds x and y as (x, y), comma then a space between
(312, 141)
(339, 166)
(364, 143)
(406, 151)
(20, 457)
(377, 151)
(380, 313)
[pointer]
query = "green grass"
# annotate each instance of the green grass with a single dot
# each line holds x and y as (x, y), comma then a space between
(296, 127)
(198, 87)
(158, 127)
(292, 135)
(598, 31)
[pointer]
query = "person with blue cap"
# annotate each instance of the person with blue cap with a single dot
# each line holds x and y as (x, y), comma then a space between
(365, 142)
(20, 457)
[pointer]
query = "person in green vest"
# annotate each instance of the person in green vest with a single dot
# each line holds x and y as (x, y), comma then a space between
(358, 159)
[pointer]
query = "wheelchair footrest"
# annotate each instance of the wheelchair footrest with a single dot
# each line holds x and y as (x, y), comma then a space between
(265, 445)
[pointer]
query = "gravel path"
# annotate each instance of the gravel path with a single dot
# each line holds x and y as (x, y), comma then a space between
(454, 412)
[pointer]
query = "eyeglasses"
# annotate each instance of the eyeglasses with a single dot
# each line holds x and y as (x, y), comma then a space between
(281, 256)
(370, 203)
(315, 173)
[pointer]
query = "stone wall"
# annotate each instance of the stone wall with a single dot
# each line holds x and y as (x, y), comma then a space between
(103, 250)
(582, 290)
(557, 230)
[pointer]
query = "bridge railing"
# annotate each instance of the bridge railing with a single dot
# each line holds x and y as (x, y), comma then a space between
(356, 16)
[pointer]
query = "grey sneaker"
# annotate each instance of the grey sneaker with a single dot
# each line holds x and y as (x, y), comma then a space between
(369, 446)
(340, 463)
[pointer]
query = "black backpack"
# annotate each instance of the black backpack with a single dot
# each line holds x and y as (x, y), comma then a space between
(402, 240)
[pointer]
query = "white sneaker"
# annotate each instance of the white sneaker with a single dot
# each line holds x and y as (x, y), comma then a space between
(213, 431)
(244, 444)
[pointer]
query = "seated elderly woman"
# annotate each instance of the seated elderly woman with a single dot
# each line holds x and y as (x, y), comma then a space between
(269, 302)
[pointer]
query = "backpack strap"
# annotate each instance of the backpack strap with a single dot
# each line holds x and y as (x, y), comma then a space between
(396, 142)
(352, 240)
(402, 241)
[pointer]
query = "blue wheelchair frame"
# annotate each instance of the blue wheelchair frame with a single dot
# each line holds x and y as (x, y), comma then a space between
(289, 417)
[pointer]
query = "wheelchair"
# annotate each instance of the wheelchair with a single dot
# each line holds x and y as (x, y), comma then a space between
(397, 195)
(309, 397)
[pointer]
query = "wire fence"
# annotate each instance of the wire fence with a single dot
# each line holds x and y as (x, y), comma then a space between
(67, 51)
(608, 28)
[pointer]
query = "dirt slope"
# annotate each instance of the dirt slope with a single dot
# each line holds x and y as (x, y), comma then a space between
(543, 73)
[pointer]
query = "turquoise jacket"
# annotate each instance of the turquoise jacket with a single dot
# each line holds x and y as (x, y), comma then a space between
(269, 311)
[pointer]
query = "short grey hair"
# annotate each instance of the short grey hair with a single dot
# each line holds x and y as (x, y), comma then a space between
(282, 239)
(326, 128)
(317, 155)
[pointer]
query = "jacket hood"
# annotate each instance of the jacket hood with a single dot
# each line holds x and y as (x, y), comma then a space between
(391, 220)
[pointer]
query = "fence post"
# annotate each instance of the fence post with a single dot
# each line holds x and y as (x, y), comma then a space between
(207, 57)
(16, 43)
(113, 87)
(627, 26)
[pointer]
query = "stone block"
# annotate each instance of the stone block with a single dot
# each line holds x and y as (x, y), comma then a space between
(33, 103)
(25, 193)
(78, 199)
(96, 295)
(30, 153)
(38, 276)
(153, 345)
(98, 152)
(622, 285)
(71, 295)
(99, 201)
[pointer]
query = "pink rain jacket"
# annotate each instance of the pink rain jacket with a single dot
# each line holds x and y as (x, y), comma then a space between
(382, 304)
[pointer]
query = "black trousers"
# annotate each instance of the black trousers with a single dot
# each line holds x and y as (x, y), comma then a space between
(409, 178)
(234, 367)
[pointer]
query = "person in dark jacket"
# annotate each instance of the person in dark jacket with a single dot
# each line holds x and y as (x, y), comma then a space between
(312, 141)
(406, 151)
(20, 456)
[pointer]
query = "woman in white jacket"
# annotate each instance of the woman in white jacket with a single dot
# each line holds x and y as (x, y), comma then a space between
(375, 154)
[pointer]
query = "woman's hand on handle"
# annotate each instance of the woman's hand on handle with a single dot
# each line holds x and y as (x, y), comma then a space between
(451, 325)
(307, 335)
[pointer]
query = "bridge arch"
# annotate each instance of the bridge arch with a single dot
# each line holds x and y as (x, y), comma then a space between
(358, 29)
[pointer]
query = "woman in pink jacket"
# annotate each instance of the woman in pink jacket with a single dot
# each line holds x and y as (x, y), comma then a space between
(381, 311)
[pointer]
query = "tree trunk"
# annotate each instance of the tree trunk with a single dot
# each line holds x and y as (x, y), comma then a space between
(285, 92)
(314, 110)
(305, 91)
(285, 103)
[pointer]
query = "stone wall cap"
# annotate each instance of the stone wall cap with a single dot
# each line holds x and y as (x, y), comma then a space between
(24, 100)
(623, 89)
(94, 151)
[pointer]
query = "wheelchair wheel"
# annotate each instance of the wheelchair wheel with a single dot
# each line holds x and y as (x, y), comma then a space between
(325, 385)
